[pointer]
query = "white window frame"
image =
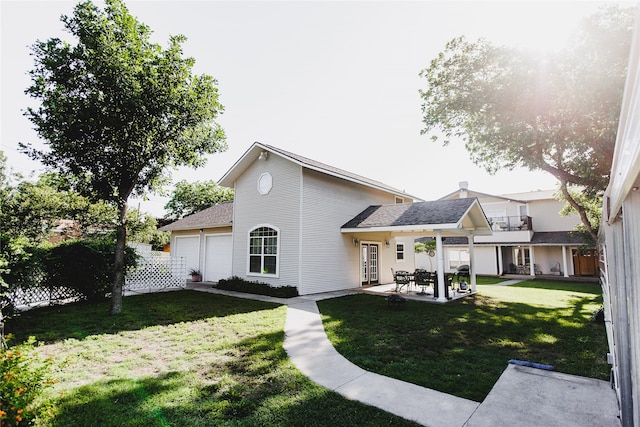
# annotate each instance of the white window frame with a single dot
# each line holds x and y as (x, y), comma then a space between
(262, 255)
(400, 250)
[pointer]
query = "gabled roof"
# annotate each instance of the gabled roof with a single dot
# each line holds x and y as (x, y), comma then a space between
(471, 193)
(220, 215)
(254, 151)
(452, 215)
(521, 198)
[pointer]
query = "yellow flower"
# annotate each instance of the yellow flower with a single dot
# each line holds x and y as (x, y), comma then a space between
(2, 413)
(18, 418)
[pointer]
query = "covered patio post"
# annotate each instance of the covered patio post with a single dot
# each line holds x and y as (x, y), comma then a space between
(564, 261)
(472, 267)
(440, 259)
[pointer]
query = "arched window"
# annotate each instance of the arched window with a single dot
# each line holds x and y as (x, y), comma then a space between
(263, 251)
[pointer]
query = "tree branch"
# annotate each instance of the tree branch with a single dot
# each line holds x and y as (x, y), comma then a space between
(581, 211)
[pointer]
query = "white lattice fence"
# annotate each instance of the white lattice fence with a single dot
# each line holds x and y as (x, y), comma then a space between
(30, 296)
(157, 271)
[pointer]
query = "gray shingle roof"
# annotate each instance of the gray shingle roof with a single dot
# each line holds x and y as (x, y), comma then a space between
(419, 213)
(540, 238)
(219, 215)
(336, 171)
(556, 238)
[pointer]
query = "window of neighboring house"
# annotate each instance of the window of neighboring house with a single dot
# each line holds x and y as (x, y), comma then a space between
(399, 200)
(263, 251)
(458, 257)
(400, 252)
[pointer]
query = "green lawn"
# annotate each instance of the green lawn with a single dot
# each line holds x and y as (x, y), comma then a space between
(462, 347)
(181, 359)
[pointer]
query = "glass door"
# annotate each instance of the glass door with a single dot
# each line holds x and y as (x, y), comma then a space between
(369, 263)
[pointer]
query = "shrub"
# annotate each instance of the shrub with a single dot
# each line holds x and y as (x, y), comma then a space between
(236, 283)
(85, 265)
(24, 377)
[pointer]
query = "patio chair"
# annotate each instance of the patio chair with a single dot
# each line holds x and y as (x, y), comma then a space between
(423, 279)
(402, 279)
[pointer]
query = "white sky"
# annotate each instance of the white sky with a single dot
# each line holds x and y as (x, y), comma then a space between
(334, 81)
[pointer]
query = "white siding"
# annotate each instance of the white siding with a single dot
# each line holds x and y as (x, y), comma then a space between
(330, 261)
(545, 216)
(278, 208)
(485, 260)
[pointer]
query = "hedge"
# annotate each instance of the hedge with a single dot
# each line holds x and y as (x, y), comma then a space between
(236, 283)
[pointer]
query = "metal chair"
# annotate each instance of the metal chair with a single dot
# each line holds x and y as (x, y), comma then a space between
(402, 279)
(423, 279)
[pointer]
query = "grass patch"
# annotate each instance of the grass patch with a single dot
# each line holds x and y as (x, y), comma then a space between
(181, 359)
(489, 280)
(463, 347)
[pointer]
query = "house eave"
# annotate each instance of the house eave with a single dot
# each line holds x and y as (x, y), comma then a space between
(447, 229)
(238, 167)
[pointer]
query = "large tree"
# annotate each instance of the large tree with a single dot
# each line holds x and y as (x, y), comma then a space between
(192, 197)
(118, 111)
(557, 112)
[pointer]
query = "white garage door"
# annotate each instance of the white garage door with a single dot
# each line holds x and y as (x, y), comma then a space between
(188, 247)
(217, 263)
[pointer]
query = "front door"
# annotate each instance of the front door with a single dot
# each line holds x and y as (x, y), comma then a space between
(369, 263)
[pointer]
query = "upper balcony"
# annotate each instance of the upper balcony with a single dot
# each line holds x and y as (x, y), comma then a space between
(510, 223)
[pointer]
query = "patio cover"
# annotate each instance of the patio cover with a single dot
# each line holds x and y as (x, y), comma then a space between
(457, 217)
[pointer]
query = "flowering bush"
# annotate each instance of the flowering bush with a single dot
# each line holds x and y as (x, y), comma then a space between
(23, 377)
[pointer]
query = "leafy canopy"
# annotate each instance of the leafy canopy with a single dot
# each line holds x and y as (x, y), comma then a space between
(192, 197)
(557, 111)
(117, 110)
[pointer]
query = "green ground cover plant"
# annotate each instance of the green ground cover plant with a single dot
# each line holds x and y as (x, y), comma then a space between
(181, 358)
(239, 284)
(462, 347)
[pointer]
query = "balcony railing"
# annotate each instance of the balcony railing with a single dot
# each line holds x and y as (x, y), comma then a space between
(510, 223)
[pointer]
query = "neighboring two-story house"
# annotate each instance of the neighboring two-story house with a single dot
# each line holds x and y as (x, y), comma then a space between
(529, 237)
(298, 222)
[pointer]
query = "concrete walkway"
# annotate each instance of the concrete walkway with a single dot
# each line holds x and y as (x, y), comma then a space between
(310, 350)
(523, 396)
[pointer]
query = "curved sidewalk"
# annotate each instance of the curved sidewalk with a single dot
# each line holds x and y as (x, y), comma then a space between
(309, 348)
(523, 396)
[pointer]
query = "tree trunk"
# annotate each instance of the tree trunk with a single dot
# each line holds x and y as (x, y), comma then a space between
(3, 342)
(581, 211)
(118, 277)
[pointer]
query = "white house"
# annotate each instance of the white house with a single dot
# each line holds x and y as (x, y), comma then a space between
(298, 222)
(620, 248)
(529, 237)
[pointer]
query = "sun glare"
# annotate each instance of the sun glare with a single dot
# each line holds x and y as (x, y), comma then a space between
(539, 26)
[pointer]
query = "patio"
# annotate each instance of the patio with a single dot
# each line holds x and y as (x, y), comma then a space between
(415, 293)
